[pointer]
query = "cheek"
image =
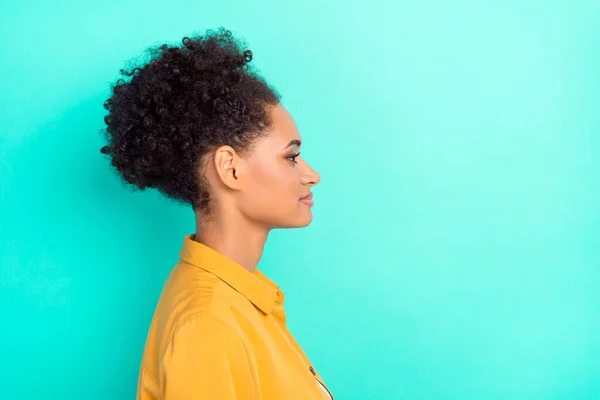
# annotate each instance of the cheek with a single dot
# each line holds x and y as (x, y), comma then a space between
(274, 183)
(272, 197)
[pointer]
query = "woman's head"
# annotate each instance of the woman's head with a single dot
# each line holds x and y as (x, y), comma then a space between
(197, 123)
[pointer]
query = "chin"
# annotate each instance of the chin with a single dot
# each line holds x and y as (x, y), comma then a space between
(299, 222)
(305, 220)
(297, 217)
(304, 224)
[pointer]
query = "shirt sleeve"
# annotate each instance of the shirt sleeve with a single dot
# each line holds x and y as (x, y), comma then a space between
(206, 359)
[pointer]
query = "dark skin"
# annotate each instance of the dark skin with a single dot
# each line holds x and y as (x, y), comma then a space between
(264, 190)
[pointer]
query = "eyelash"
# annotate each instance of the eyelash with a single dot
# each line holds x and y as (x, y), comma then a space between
(293, 158)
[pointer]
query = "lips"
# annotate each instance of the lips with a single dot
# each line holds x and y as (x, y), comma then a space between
(308, 199)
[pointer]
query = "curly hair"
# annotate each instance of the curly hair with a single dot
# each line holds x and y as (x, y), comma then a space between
(182, 105)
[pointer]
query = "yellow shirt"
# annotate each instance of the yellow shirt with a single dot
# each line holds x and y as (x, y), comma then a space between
(219, 332)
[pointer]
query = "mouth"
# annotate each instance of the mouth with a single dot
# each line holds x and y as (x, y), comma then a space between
(308, 199)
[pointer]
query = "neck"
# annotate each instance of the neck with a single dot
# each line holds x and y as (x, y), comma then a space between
(233, 236)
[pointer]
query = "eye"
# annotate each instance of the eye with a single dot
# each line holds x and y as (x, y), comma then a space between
(293, 158)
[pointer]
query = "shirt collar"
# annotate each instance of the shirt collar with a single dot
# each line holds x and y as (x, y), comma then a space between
(255, 286)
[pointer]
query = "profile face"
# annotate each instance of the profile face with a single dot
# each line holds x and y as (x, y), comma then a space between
(277, 193)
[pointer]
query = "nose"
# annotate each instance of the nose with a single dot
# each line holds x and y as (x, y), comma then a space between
(310, 177)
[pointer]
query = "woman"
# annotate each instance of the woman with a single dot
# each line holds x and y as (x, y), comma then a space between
(200, 126)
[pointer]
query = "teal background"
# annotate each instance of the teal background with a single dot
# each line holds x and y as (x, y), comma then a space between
(455, 250)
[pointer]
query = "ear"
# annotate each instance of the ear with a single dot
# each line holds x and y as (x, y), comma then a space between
(227, 164)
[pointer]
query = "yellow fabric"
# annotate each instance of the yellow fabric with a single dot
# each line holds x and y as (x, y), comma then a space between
(219, 332)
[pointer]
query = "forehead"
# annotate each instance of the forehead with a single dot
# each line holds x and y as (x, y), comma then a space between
(284, 127)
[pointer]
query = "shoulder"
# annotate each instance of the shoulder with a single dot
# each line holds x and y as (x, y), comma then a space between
(193, 300)
(190, 290)
(204, 325)
(203, 336)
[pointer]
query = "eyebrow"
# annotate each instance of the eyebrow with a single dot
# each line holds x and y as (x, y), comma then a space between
(294, 142)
